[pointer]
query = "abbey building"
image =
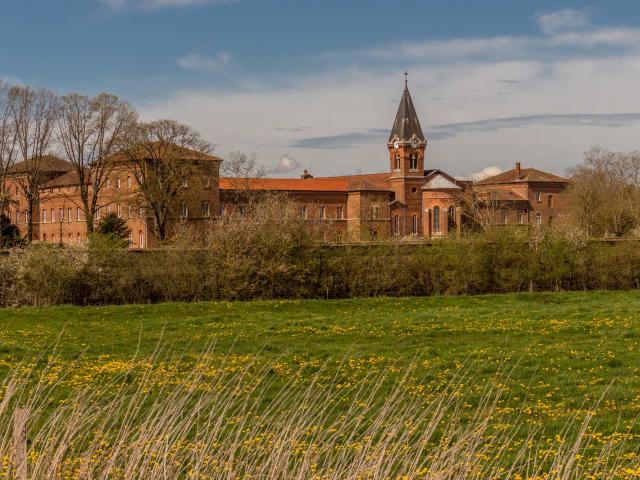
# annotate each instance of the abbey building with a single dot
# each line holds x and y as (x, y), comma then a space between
(409, 200)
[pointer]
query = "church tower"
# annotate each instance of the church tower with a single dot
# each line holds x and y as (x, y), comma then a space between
(407, 146)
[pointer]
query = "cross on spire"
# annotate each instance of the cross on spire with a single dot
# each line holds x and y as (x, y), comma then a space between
(406, 81)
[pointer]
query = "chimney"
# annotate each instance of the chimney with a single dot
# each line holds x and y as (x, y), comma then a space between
(306, 174)
(518, 169)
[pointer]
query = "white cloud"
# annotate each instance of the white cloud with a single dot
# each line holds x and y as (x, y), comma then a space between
(485, 173)
(563, 21)
(197, 62)
(286, 164)
(623, 37)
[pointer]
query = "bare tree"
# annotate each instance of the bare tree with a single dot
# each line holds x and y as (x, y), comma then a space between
(240, 169)
(89, 131)
(33, 113)
(480, 210)
(8, 144)
(163, 156)
(605, 192)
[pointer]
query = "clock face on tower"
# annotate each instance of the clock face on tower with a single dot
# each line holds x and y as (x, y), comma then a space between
(396, 144)
(415, 143)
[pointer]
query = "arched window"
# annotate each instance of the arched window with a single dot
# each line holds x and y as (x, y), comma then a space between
(436, 219)
(397, 162)
(140, 239)
(451, 218)
(413, 162)
(396, 225)
(44, 237)
(414, 224)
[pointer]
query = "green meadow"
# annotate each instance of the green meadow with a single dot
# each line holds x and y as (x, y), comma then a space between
(555, 358)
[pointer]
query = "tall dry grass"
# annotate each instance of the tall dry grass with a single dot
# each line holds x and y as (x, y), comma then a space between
(213, 424)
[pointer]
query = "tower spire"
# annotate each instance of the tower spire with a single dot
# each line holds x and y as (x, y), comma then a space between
(406, 124)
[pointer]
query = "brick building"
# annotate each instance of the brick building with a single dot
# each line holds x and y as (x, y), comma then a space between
(409, 200)
(59, 216)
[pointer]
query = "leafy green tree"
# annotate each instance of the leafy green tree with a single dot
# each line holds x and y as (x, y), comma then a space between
(114, 226)
(9, 233)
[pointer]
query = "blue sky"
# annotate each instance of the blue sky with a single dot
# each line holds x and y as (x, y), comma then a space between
(316, 83)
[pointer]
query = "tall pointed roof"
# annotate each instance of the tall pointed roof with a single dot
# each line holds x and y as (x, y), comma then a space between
(406, 123)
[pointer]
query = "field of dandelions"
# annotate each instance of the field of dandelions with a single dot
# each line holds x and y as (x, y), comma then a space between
(504, 387)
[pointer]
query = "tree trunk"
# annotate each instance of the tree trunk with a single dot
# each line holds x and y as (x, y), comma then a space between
(89, 219)
(30, 207)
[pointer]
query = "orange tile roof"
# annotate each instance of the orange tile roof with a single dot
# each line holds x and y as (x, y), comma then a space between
(526, 175)
(68, 179)
(502, 195)
(48, 164)
(316, 184)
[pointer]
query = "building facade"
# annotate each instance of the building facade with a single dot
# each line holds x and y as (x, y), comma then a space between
(409, 200)
(58, 216)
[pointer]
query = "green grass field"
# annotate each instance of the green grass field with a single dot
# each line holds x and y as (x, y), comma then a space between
(556, 356)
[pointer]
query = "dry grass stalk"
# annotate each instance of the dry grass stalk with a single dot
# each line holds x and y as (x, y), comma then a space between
(218, 425)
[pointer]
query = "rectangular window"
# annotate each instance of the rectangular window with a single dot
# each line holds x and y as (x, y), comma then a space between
(207, 182)
(505, 218)
(339, 212)
(321, 212)
(375, 212)
(129, 211)
(538, 197)
(119, 209)
(53, 216)
(118, 183)
(550, 200)
(44, 216)
(68, 214)
(303, 212)
(538, 218)
(222, 209)
(184, 210)
(78, 213)
(414, 224)
(205, 209)
(128, 182)
(61, 214)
